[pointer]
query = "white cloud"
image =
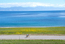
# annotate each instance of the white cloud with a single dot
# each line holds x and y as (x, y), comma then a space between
(62, 5)
(29, 4)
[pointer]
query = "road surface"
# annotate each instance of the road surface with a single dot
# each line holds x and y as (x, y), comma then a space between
(31, 37)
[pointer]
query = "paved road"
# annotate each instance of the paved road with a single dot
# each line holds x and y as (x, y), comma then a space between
(31, 37)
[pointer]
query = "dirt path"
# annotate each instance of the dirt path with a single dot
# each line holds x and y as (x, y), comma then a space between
(32, 37)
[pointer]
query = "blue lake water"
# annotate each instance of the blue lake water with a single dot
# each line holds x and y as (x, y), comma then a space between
(32, 18)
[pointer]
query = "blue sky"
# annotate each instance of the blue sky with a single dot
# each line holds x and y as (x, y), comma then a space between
(32, 3)
(27, 3)
(43, 1)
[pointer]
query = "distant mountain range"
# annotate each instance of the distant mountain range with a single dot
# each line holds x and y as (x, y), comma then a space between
(31, 8)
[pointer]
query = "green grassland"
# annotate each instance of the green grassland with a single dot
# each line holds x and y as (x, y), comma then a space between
(33, 30)
(32, 41)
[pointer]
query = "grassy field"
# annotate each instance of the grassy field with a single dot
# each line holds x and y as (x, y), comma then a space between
(40, 30)
(32, 41)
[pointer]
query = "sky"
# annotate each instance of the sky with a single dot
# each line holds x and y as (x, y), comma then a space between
(50, 2)
(32, 3)
(42, 1)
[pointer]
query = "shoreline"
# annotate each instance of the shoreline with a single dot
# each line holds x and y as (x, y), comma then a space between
(33, 27)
